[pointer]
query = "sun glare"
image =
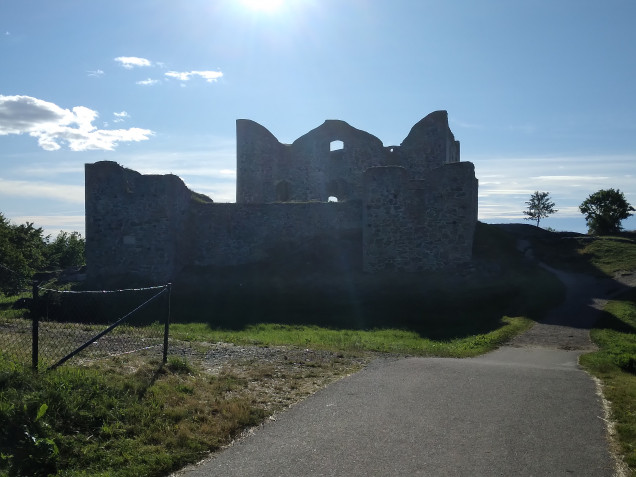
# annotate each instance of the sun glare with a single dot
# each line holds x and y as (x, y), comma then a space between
(263, 5)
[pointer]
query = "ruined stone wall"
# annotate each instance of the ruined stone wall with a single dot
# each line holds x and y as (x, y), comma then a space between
(307, 170)
(411, 207)
(152, 227)
(418, 225)
(430, 144)
(237, 234)
(132, 221)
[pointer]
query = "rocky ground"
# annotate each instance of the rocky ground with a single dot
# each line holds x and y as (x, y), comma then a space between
(274, 377)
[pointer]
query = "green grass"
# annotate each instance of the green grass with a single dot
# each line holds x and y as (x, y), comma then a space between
(378, 340)
(594, 255)
(615, 365)
(92, 421)
(611, 254)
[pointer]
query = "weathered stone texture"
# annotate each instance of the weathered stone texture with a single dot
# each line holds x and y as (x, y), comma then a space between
(411, 207)
(132, 221)
(239, 234)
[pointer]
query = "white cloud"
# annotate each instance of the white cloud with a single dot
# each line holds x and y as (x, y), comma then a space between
(96, 73)
(209, 76)
(52, 125)
(120, 117)
(130, 62)
(148, 82)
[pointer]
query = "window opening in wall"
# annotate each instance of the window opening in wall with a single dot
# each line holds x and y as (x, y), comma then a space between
(332, 198)
(336, 145)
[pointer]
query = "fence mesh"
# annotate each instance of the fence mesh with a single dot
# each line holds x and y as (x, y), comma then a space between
(68, 320)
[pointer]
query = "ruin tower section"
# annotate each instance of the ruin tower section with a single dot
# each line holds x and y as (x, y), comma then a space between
(429, 144)
(407, 208)
(418, 225)
(132, 223)
(328, 161)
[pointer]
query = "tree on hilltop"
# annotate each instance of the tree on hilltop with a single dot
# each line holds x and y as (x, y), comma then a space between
(604, 210)
(540, 206)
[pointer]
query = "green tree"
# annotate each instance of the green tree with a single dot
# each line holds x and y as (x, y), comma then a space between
(22, 252)
(540, 206)
(66, 250)
(604, 210)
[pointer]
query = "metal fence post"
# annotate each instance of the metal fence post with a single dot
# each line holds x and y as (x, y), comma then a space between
(166, 329)
(35, 323)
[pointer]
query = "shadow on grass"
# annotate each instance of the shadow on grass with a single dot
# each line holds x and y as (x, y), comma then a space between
(592, 255)
(434, 306)
(608, 321)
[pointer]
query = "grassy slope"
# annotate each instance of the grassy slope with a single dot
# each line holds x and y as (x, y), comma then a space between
(140, 419)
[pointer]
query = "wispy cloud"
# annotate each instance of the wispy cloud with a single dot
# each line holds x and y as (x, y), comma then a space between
(148, 82)
(506, 183)
(523, 128)
(52, 125)
(570, 179)
(120, 117)
(96, 73)
(53, 224)
(464, 124)
(130, 62)
(42, 190)
(209, 76)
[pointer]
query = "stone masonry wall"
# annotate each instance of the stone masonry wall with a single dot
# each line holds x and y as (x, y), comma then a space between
(418, 225)
(132, 221)
(152, 227)
(409, 208)
(307, 170)
(238, 234)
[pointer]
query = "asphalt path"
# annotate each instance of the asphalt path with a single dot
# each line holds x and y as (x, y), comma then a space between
(527, 409)
(517, 411)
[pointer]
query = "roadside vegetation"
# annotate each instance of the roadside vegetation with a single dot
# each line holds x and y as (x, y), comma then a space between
(121, 418)
(615, 365)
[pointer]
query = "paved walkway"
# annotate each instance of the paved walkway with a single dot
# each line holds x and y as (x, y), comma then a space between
(524, 410)
(517, 411)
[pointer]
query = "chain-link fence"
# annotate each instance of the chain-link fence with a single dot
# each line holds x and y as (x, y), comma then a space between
(52, 326)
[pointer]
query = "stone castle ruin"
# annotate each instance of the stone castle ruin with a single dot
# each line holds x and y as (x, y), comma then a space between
(335, 194)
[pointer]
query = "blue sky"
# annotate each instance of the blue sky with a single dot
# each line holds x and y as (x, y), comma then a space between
(540, 93)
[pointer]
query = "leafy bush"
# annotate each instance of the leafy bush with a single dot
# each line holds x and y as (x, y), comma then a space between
(26, 444)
